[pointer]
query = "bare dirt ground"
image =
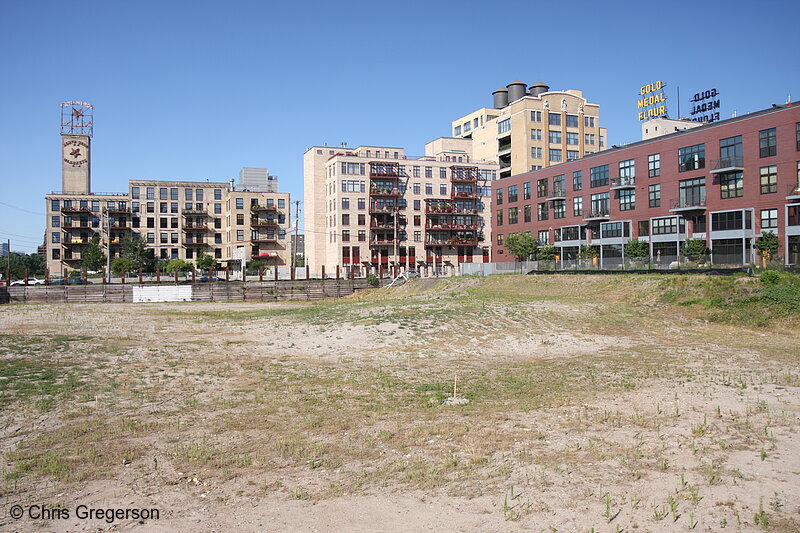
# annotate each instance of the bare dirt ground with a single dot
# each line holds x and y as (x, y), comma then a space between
(594, 405)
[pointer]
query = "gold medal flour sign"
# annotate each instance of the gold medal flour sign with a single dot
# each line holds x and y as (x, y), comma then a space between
(652, 100)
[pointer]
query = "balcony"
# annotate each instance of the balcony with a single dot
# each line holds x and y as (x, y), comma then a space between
(559, 193)
(194, 212)
(264, 255)
(384, 170)
(450, 226)
(264, 239)
(373, 208)
(195, 227)
(621, 183)
(263, 208)
(465, 193)
(383, 242)
(75, 209)
(464, 174)
(118, 210)
(687, 204)
(438, 207)
(793, 193)
(76, 225)
(76, 240)
(383, 191)
(195, 242)
(119, 226)
(727, 164)
(453, 241)
(263, 222)
(599, 214)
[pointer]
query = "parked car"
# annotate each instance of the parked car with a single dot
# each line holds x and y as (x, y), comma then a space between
(69, 281)
(214, 278)
(31, 281)
(412, 274)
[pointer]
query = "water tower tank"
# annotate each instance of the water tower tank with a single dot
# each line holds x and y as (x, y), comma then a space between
(516, 90)
(500, 98)
(539, 88)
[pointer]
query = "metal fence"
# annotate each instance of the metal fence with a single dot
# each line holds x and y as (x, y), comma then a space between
(665, 264)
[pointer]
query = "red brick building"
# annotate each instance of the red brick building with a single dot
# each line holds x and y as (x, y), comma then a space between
(725, 182)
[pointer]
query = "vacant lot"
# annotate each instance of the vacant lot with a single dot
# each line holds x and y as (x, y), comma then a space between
(609, 403)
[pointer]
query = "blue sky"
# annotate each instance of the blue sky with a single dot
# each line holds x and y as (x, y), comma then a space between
(196, 90)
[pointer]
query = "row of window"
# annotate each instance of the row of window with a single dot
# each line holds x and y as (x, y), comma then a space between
(94, 205)
(171, 193)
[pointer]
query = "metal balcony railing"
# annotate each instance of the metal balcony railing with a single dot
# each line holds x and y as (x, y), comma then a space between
(623, 182)
(725, 163)
(687, 203)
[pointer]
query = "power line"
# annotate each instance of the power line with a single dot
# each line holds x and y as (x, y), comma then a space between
(23, 210)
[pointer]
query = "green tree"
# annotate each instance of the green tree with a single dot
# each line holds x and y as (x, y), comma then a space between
(93, 257)
(122, 264)
(768, 245)
(547, 253)
(136, 250)
(17, 263)
(587, 252)
(695, 249)
(636, 249)
(205, 261)
(178, 265)
(521, 245)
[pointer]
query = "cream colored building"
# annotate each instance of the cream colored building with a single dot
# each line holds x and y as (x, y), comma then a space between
(374, 206)
(656, 127)
(532, 128)
(177, 220)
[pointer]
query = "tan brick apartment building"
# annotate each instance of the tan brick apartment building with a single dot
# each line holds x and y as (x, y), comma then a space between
(374, 206)
(177, 219)
(529, 129)
(726, 183)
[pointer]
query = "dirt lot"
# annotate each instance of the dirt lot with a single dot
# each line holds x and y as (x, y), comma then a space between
(595, 404)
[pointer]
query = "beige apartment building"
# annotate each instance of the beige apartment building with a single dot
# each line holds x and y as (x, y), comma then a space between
(177, 219)
(374, 206)
(532, 128)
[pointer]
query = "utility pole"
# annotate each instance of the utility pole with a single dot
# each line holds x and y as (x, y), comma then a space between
(8, 263)
(108, 246)
(296, 229)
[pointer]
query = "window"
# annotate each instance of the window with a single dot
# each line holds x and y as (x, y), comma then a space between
(512, 193)
(536, 116)
(442, 189)
(588, 122)
(499, 239)
(536, 153)
(611, 230)
(542, 211)
(429, 188)
(654, 194)
(577, 180)
(457, 131)
(353, 186)
(554, 119)
(239, 234)
(769, 179)
(643, 228)
(559, 209)
(499, 217)
(513, 215)
(654, 165)
(572, 122)
(726, 221)
(526, 190)
(345, 203)
(151, 193)
(56, 237)
(345, 219)
(536, 135)
(541, 188)
(442, 173)
(499, 196)
(217, 194)
(554, 137)
(164, 238)
(544, 237)
(692, 158)
(240, 203)
(767, 142)
(572, 155)
(353, 168)
(55, 221)
(600, 202)
(769, 219)
(572, 138)
(162, 193)
(467, 126)
(527, 213)
(173, 207)
(239, 219)
(362, 203)
(417, 220)
(577, 206)
(730, 152)
(731, 185)
(588, 138)
(345, 235)
(627, 169)
(555, 155)
(598, 176)
(627, 199)
(504, 125)
(417, 205)
(416, 188)
(665, 226)
(415, 171)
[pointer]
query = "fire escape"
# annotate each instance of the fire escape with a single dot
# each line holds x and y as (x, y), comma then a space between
(455, 222)
(387, 182)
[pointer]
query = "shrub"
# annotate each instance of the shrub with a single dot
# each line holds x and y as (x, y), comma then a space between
(770, 277)
(372, 280)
